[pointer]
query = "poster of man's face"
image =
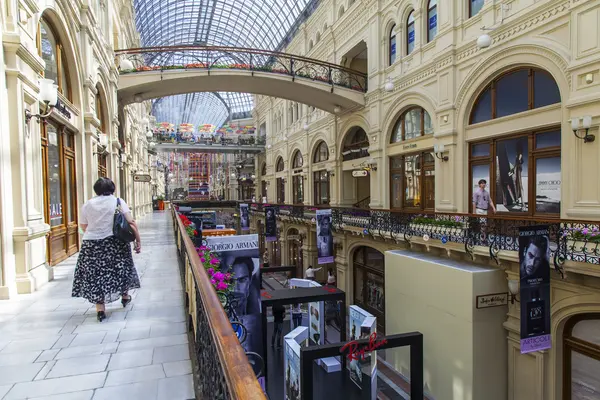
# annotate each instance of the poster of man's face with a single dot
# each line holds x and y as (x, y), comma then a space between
(324, 225)
(535, 258)
(244, 218)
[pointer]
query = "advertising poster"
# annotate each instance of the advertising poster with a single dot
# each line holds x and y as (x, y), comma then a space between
(270, 224)
(363, 370)
(291, 360)
(244, 217)
(547, 184)
(239, 255)
(512, 166)
(315, 318)
(534, 259)
(324, 237)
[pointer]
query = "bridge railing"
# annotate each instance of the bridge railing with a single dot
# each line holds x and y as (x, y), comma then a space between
(208, 140)
(222, 370)
(219, 58)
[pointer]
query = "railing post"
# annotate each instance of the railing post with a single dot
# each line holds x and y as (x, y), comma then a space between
(292, 67)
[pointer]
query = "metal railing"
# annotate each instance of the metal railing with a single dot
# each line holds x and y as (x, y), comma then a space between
(222, 370)
(174, 138)
(238, 58)
(570, 240)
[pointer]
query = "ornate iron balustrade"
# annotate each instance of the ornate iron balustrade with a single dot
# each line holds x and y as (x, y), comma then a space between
(222, 370)
(237, 58)
(570, 240)
(168, 138)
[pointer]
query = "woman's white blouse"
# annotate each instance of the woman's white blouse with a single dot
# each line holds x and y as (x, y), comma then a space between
(98, 214)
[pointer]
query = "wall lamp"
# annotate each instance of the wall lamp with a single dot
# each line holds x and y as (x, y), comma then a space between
(513, 290)
(49, 96)
(578, 124)
(371, 164)
(438, 149)
(102, 144)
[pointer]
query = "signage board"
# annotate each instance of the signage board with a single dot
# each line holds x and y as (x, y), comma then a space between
(359, 173)
(491, 300)
(142, 178)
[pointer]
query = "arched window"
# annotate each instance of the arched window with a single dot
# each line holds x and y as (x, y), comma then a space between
(280, 166)
(514, 92)
(321, 153)
(369, 282)
(392, 49)
(432, 20)
(263, 170)
(581, 359)
(413, 123)
(297, 161)
(356, 144)
(474, 7)
(100, 112)
(410, 32)
(51, 50)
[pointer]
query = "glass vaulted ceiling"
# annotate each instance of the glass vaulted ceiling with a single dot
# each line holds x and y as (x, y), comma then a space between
(260, 24)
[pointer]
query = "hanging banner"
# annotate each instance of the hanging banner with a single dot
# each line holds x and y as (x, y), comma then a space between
(534, 259)
(363, 365)
(292, 369)
(270, 224)
(324, 237)
(244, 217)
(239, 255)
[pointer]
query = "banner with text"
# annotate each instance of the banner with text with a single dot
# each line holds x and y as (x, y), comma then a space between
(534, 259)
(324, 237)
(270, 224)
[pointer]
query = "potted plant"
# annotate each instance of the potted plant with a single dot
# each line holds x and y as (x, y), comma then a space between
(161, 202)
(436, 226)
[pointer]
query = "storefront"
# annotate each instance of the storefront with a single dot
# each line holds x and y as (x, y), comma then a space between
(58, 153)
(294, 244)
(369, 283)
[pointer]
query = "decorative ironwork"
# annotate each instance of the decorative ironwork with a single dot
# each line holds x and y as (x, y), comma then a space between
(212, 58)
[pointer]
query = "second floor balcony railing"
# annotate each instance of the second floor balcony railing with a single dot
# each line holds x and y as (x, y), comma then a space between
(208, 140)
(570, 240)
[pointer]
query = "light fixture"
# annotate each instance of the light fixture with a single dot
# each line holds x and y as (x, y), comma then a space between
(484, 41)
(103, 139)
(253, 176)
(284, 138)
(233, 174)
(337, 109)
(123, 157)
(438, 149)
(578, 124)
(269, 146)
(371, 164)
(49, 96)
(306, 128)
(138, 98)
(152, 144)
(389, 85)
(513, 290)
(170, 175)
(125, 64)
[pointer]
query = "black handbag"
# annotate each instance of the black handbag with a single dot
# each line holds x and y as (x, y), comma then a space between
(121, 228)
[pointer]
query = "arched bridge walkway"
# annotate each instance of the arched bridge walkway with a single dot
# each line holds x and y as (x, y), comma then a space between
(147, 73)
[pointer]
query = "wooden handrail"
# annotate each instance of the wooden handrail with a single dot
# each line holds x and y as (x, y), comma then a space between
(240, 378)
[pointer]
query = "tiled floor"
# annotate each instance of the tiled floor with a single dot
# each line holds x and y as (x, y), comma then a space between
(52, 347)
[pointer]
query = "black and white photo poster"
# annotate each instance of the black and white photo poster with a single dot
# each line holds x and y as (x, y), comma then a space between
(244, 217)
(270, 224)
(324, 237)
(534, 260)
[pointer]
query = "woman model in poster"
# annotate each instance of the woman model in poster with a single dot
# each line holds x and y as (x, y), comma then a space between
(518, 174)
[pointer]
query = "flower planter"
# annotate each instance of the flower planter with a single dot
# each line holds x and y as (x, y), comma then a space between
(582, 251)
(436, 231)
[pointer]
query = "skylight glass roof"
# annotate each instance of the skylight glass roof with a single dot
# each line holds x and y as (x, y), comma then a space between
(259, 24)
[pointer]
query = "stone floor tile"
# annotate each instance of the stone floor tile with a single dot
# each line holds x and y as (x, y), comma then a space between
(131, 359)
(44, 371)
(134, 334)
(176, 388)
(19, 373)
(80, 351)
(79, 366)
(47, 355)
(133, 375)
(110, 348)
(84, 395)
(136, 391)
(64, 341)
(27, 357)
(105, 326)
(152, 343)
(4, 389)
(157, 330)
(177, 368)
(171, 353)
(88, 339)
(111, 336)
(50, 387)
(19, 346)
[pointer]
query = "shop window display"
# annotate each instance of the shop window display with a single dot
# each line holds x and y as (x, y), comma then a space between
(369, 283)
(412, 181)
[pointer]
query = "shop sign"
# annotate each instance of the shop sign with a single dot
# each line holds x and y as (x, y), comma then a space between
(355, 352)
(293, 237)
(410, 146)
(62, 108)
(142, 178)
(359, 173)
(492, 300)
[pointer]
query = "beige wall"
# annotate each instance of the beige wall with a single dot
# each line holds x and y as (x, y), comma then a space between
(464, 347)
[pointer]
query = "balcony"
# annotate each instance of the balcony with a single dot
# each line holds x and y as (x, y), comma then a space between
(572, 243)
(210, 144)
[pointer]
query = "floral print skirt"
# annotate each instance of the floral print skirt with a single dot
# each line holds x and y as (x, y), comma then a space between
(104, 270)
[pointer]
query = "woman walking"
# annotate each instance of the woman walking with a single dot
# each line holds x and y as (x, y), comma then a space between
(105, 269)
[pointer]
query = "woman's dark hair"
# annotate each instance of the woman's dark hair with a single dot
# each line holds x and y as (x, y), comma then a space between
(104, 187)
(330, 270)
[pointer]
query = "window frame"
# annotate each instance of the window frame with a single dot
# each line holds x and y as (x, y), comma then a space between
(492, 86)
(392, 35)
(318, 150)
(401, 120)
(280, 183)
(532, 156)
(61, 64)
(574, 344)
(102, 157)
(427, 27)
(401, 171)
(317, 182)
(280, 165)
(471, 15)
(298, 189)
(298, 160)
(408, 26)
